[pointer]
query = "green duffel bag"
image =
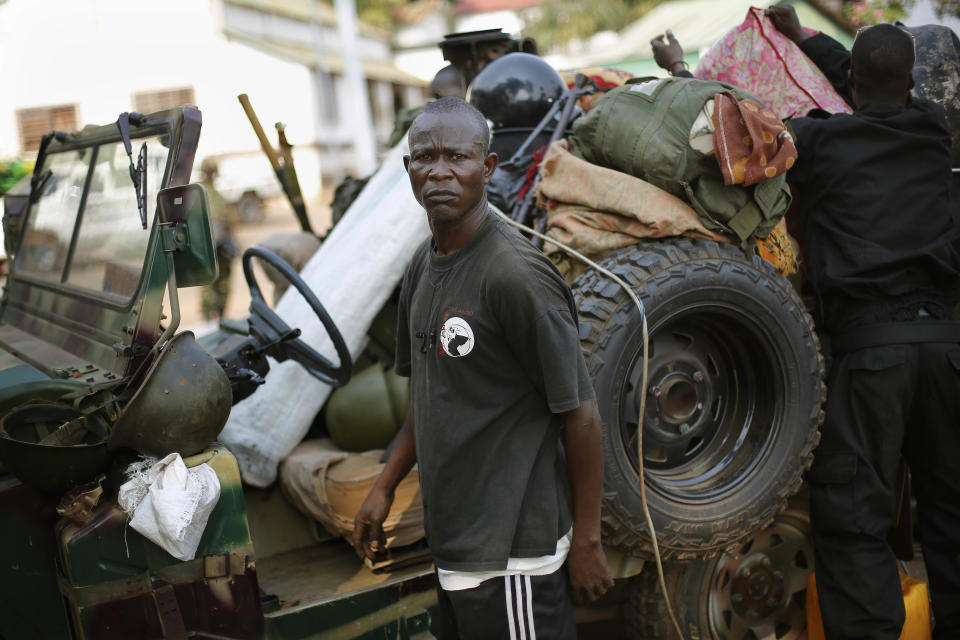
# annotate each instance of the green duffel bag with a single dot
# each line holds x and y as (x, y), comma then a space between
(368, 411)
(643, 128)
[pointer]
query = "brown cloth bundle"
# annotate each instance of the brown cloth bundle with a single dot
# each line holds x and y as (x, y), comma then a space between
(596, 210)
(751, 143)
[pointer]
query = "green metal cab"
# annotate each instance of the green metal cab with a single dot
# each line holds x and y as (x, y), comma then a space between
(89, 354)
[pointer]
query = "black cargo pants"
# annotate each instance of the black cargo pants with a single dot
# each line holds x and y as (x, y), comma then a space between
(881, 401)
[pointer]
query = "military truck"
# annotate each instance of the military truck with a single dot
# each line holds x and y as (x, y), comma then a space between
(93, 374)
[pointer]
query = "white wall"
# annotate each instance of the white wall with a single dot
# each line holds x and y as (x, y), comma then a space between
(423, 62)
(278, 28)
(98, 53)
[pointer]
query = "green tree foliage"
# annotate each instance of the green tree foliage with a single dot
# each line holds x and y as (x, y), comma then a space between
(868, 12)
(11, 172)
(560, 21)
(947, 8)
(379, 13)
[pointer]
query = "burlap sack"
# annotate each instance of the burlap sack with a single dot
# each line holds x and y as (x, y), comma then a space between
(596, 210)
(329, 485)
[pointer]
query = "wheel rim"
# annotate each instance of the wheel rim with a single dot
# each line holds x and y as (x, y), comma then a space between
(713, 404)
(758, 592)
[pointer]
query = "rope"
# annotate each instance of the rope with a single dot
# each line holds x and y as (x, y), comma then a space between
(643, 394)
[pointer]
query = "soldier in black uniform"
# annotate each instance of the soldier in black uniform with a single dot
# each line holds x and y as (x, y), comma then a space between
(881, 257)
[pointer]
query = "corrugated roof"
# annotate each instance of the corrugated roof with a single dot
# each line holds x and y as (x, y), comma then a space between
(698, 25)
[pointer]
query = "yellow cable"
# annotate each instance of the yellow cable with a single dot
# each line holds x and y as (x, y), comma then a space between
(643, 394)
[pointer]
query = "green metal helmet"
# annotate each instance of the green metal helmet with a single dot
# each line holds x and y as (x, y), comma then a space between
(181, 406)
(52, 446)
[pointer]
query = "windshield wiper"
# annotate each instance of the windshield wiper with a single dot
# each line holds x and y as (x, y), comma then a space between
(138, 173)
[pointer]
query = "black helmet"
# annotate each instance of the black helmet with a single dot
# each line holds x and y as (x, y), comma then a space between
(516, 90)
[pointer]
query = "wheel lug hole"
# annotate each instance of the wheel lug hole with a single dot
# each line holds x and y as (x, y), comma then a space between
(698, 376)
(685, 428)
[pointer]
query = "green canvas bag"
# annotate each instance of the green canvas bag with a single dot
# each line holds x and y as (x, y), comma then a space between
(643, 128)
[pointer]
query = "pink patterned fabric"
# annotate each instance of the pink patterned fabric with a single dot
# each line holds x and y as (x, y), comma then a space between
(759, 59)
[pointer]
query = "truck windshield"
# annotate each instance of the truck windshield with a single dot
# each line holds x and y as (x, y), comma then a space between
(102, 246)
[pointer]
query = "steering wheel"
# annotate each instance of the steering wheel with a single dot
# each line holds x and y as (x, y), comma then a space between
(275, 337)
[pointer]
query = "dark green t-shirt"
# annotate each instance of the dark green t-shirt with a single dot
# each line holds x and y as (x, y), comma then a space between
(489, 337)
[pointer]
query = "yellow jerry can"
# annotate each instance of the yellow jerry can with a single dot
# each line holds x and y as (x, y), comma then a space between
(916, 600)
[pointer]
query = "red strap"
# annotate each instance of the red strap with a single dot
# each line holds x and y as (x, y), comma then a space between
(763, 33)
(532, 172)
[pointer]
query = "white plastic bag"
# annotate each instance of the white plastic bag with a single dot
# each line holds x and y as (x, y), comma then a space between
(352, 274)
(170, 504)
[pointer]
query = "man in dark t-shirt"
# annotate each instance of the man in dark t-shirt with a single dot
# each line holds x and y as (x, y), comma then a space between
(503, 423)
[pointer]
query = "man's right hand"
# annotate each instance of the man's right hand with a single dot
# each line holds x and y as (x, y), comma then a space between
(368, 536)
(784, 18)
(668, 53)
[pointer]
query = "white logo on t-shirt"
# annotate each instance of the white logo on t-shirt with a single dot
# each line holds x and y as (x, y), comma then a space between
(456, 336)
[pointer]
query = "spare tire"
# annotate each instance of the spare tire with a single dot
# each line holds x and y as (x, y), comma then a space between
(756, 591)
(734, 393)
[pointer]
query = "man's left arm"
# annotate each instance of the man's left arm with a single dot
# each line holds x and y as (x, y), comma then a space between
(587, 563)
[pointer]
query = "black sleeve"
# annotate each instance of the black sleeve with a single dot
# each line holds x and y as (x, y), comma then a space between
(685, 73)
(537, 312)
(804, 131)
(554, 361)
(833, 59)
(802, 176)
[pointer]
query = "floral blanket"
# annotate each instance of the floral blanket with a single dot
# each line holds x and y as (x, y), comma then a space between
(756, 57)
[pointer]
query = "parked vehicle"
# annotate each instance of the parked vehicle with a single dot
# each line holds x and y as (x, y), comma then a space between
(93, 373)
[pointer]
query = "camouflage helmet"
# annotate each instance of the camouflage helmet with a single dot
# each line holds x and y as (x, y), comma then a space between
(181, 406)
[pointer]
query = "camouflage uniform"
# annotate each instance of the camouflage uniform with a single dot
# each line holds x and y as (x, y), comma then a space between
(213, 301)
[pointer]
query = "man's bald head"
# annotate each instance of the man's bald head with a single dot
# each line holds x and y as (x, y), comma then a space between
(882, 60)
(458, 106)
(448, 82)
